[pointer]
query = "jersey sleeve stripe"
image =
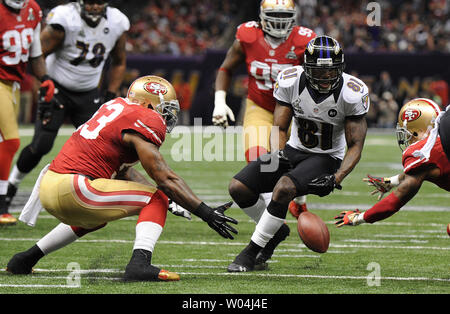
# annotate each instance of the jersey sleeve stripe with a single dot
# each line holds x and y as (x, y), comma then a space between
(156, 137)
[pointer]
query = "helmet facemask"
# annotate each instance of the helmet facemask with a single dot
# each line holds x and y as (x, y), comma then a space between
(169, 111)
(277, 20)
(93, 17)
(16, 4)
(323, 64)
(324, 78)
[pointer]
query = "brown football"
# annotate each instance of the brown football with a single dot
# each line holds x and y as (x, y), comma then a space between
(313, 232)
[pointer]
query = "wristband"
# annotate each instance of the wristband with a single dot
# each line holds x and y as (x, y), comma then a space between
(395, 180)
(225, 70)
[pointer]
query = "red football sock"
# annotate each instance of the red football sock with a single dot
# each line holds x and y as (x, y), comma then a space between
(8, 149)
(156, 210)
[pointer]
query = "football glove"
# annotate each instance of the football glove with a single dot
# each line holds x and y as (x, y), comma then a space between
(46, 108)
(47, 89)
(323, 185)
(382, 185)
(177, 210)
(221, 110)
(349, 218)
(216, 219)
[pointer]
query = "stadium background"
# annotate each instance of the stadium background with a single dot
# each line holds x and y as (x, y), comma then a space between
(186, 40)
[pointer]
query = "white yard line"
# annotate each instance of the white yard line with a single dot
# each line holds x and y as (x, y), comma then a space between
(196, 243)
(253, 274)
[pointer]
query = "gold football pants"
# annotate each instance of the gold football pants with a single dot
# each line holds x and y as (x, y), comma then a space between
(257, 126)
(9, 106)
(78, 201)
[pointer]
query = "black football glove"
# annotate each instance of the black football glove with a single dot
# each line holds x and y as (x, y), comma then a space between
(323, 185)
(46, 106)
(216, 219)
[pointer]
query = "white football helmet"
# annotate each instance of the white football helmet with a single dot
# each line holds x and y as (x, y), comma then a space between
(16, 4)
(158, 94)
(278, 17)
(415, 119)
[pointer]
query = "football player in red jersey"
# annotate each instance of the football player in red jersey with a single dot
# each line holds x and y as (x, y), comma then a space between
(91, 182)
(424, 159)
(19, 44)
(267, 47)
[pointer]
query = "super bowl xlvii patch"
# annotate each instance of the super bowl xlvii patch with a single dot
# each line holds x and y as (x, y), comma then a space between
(365, 101)
(291, 54)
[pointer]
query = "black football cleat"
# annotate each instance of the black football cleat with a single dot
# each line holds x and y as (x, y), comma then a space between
(22, 263)
(140, 269)
(266, 253)
(242, 263)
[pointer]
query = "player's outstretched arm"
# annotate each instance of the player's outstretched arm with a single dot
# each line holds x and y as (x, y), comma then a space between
(175, 187)
(234, 57)
(391, 204)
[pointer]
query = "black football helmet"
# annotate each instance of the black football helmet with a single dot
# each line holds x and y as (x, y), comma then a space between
(92, 16)
(323, 63)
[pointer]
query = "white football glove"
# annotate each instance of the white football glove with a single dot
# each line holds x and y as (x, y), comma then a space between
(177, 210)
(221, 110)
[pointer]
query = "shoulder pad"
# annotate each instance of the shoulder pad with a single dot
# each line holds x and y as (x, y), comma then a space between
(248, 32)
(289, 76)
(120, 19)
(354, 90)
(62, 14)
(302, 35)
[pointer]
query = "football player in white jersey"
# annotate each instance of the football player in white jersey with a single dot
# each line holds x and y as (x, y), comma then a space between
(76, 41)
(327, 108)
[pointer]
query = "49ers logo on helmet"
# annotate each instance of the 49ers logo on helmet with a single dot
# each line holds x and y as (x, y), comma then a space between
(155, 88)
(411, 115)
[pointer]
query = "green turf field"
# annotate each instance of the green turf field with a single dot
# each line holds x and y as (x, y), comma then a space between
(407, 253)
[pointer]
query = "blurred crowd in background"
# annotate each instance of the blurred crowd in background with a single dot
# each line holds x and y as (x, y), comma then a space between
(190, 27)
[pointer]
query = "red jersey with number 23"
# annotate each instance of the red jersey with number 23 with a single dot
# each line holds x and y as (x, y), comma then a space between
(265, 62)
(437, 158)
(96, 148)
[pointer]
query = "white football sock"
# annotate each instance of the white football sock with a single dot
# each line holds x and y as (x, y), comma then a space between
(147, 233)
(3, 187)
(59, 237)
(15, 177)
(255, 211)
(266, 228)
